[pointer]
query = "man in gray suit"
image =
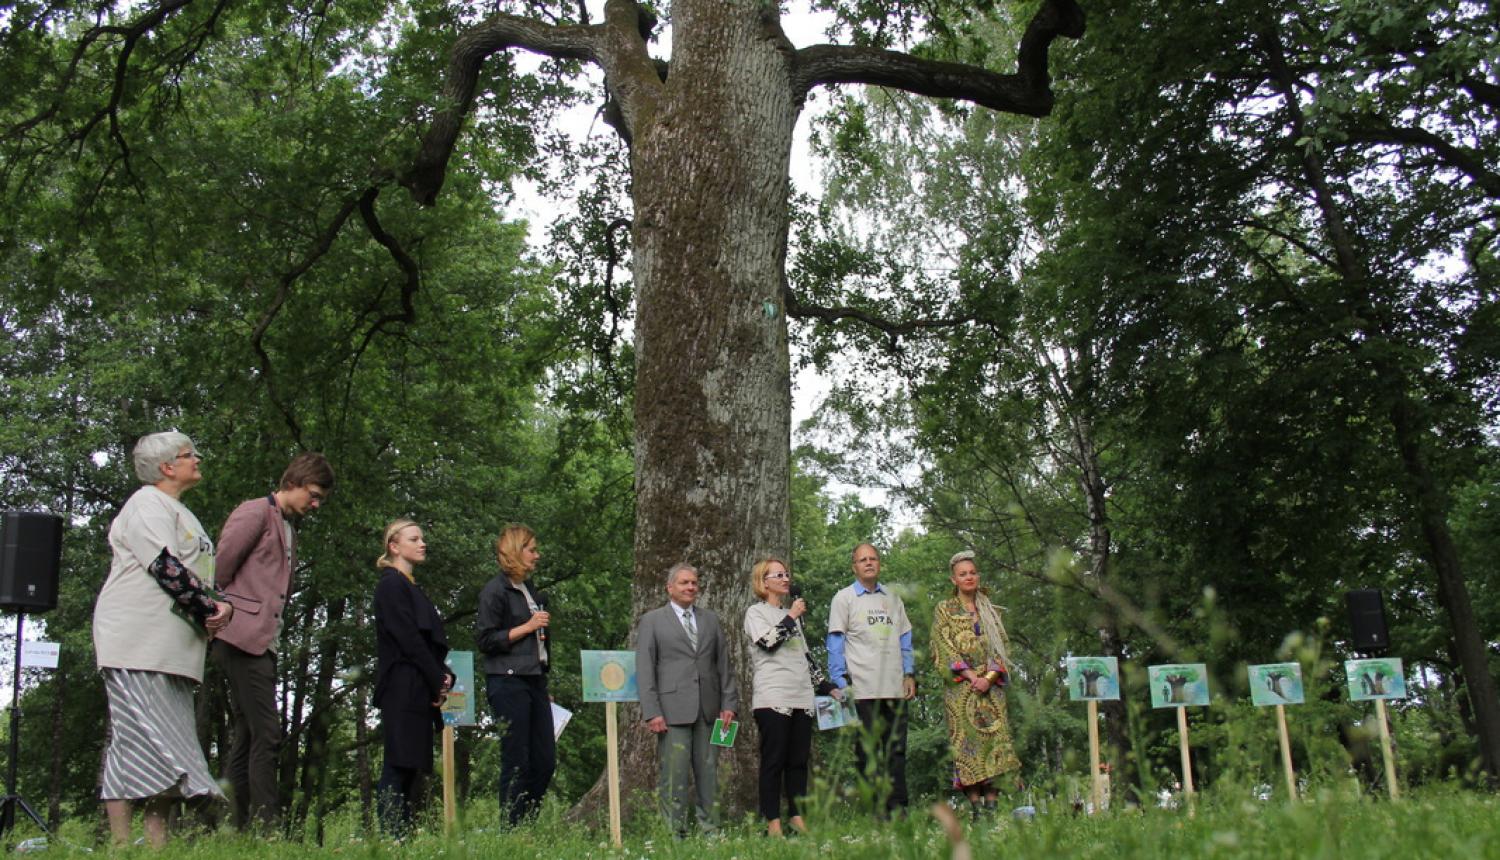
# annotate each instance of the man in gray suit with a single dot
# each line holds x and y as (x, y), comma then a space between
(682, 668)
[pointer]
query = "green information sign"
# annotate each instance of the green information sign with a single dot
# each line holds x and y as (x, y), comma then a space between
(1093, 678)
(609, 676)
(458, 708)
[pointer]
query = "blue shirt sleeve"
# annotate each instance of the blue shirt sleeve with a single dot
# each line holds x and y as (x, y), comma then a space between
(837, 668)
(906, 659)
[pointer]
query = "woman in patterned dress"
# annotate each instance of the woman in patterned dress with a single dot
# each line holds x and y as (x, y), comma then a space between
(969, 641)
(152, 623)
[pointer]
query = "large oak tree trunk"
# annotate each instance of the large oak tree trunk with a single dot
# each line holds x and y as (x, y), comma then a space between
(1469, 643)
(713, 397)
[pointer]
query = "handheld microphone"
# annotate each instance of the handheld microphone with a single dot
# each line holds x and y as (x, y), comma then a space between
(795, 592)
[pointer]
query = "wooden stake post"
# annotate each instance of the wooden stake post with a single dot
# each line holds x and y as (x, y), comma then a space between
(450, 792)
(1098, 778)
(1187, 757)
(457, 707)
(612, 764)
(1286, 752)
(609, 677)
(1379, 678)
(1385, 750)
(1090, 679)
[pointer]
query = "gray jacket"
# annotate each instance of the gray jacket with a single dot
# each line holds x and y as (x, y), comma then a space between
(677, 682)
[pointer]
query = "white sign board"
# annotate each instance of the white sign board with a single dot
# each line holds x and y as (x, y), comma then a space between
(39, 655)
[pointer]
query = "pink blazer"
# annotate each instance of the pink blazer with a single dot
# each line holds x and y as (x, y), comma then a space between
(253, 572)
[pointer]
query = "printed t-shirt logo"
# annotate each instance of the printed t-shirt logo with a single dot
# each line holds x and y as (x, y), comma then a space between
(880, 623)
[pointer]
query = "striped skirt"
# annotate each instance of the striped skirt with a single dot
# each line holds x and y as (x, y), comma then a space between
(153, 746)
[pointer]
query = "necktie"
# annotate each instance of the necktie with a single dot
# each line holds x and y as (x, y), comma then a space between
(691, 627)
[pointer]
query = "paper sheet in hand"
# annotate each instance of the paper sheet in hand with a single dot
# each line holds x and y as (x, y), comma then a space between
(834, 714)
(723, 736)
(560, 717)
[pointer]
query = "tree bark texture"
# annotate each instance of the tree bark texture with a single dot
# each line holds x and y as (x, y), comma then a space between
(713, 380)
(710, 162)
(1469, 643)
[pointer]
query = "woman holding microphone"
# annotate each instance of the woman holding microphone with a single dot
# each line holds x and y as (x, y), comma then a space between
(785, 680)
(512, 634)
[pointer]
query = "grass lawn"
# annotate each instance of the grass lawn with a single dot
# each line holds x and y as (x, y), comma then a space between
(1437, 822)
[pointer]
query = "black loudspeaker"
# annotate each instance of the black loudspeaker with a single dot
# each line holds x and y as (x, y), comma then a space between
(30, 555)
(1367, 620)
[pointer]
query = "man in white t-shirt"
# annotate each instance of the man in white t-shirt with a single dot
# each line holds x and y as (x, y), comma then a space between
(870, 658)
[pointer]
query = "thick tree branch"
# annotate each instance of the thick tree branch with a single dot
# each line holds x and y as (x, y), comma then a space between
(173, 59)
(321, 245)
(618, 45)
(610, 300)
(409, 286)
(408, 266)
(465, 59)
(131, 35)
(1482, 91)
(1378, 131)
(1028, 91)
(1350, 263)
(797, 309)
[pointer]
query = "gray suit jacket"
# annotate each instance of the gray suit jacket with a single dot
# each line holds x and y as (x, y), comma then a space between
(675, 682)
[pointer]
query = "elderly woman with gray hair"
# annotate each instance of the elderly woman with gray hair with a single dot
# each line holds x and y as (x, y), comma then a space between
(969, 641)
(152, 623)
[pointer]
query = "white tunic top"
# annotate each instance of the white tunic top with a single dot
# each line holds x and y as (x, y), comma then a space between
(134, 625)
(781, 678)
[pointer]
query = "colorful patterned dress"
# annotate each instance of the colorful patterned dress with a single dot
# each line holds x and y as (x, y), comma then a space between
(978, 728)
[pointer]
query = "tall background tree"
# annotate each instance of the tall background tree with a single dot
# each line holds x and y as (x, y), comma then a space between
(1242, 343)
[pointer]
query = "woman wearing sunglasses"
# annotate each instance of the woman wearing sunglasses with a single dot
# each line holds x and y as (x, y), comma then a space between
(785, 679)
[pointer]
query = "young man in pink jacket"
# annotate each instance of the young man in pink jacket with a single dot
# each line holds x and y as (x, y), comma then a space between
(257, 554)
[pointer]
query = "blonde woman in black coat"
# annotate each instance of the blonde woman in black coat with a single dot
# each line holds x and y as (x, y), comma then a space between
(410, 677)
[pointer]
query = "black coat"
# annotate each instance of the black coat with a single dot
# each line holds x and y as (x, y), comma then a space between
(502, 607)
(409, 649)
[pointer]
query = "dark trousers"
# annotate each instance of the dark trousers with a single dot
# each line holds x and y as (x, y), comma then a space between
(785, 744)
(251, 764)
(528, 751)
(396, 798)
(882, 737)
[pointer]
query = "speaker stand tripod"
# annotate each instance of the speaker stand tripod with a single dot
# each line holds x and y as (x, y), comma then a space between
(12, 801)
